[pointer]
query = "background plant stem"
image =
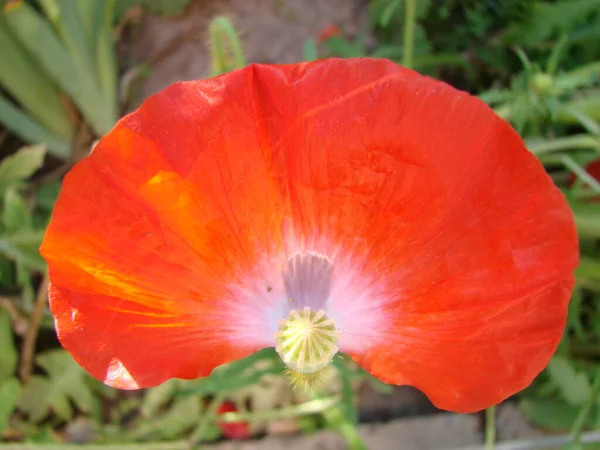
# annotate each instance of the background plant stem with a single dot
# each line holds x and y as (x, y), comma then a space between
(490, 428)
(28, 347)
(583, 415)
(410, 7)
(207, 418)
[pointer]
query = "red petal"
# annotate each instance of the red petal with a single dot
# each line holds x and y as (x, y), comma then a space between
(428, 194)
(455, 223)
(151, 234)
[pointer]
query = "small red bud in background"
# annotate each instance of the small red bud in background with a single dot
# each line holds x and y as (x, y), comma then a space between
(328, 32)
(235, 430)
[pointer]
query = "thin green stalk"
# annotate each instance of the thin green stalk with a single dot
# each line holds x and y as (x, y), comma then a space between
(574, 142)
(587, 221)
(337, 420)
(583, 415)
(352, 437)
(311, 407)
(207, 418)
(490, 428)
(572, 165)
(410, 10)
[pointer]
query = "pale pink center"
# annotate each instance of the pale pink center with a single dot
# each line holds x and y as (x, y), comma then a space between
(311, 279)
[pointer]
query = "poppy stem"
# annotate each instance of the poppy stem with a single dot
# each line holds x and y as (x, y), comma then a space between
(352, 437)
(409, 32)
(574, 142)
(490, 428)
(583, 416)
(337, 420)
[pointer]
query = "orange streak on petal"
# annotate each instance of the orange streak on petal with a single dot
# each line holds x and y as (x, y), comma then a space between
(142, 313)
(163, 325)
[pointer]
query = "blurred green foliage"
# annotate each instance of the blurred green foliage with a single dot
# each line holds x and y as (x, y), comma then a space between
(167, 8)
(537, 63)
(58, 61)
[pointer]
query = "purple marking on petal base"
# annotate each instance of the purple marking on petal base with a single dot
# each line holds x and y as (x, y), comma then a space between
(354, 301)
(307, 280)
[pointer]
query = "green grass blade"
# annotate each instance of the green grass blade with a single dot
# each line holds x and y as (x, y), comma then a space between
(585, 75)
(106, 61)
(558, 52)
(564, 143)
(310, 50)
(29, 130)
(72, 31)
(91, 16)
(38, 37)
(588, 104)
(22, 78)
(23, 247)
(587, 219)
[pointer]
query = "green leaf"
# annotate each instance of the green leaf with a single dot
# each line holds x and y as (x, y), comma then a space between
(310, 50)
(557, 54)
(16, 215)
(18, 167)
(8, 352)
(22, 77)
(25, 282)
(41, 41)
(344, 48)
(163, 7)
(574, 387)
(582, 76)
(67, 22)
(391, 9)
(236, 375)
(587, 218)
(158, 396)
(10, 390)
(7, 273)
(65, 383)
(180, 417)
(551, 414)
(90, 13)
(30, 131)
(46, 196)
(587, 102)
(106, 59)
(23, 247)
(547, 18)
(588, 273)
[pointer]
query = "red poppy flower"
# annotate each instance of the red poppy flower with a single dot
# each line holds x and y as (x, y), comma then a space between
(347, 205)
(328, 32)
(593, 169)
(233, 430)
